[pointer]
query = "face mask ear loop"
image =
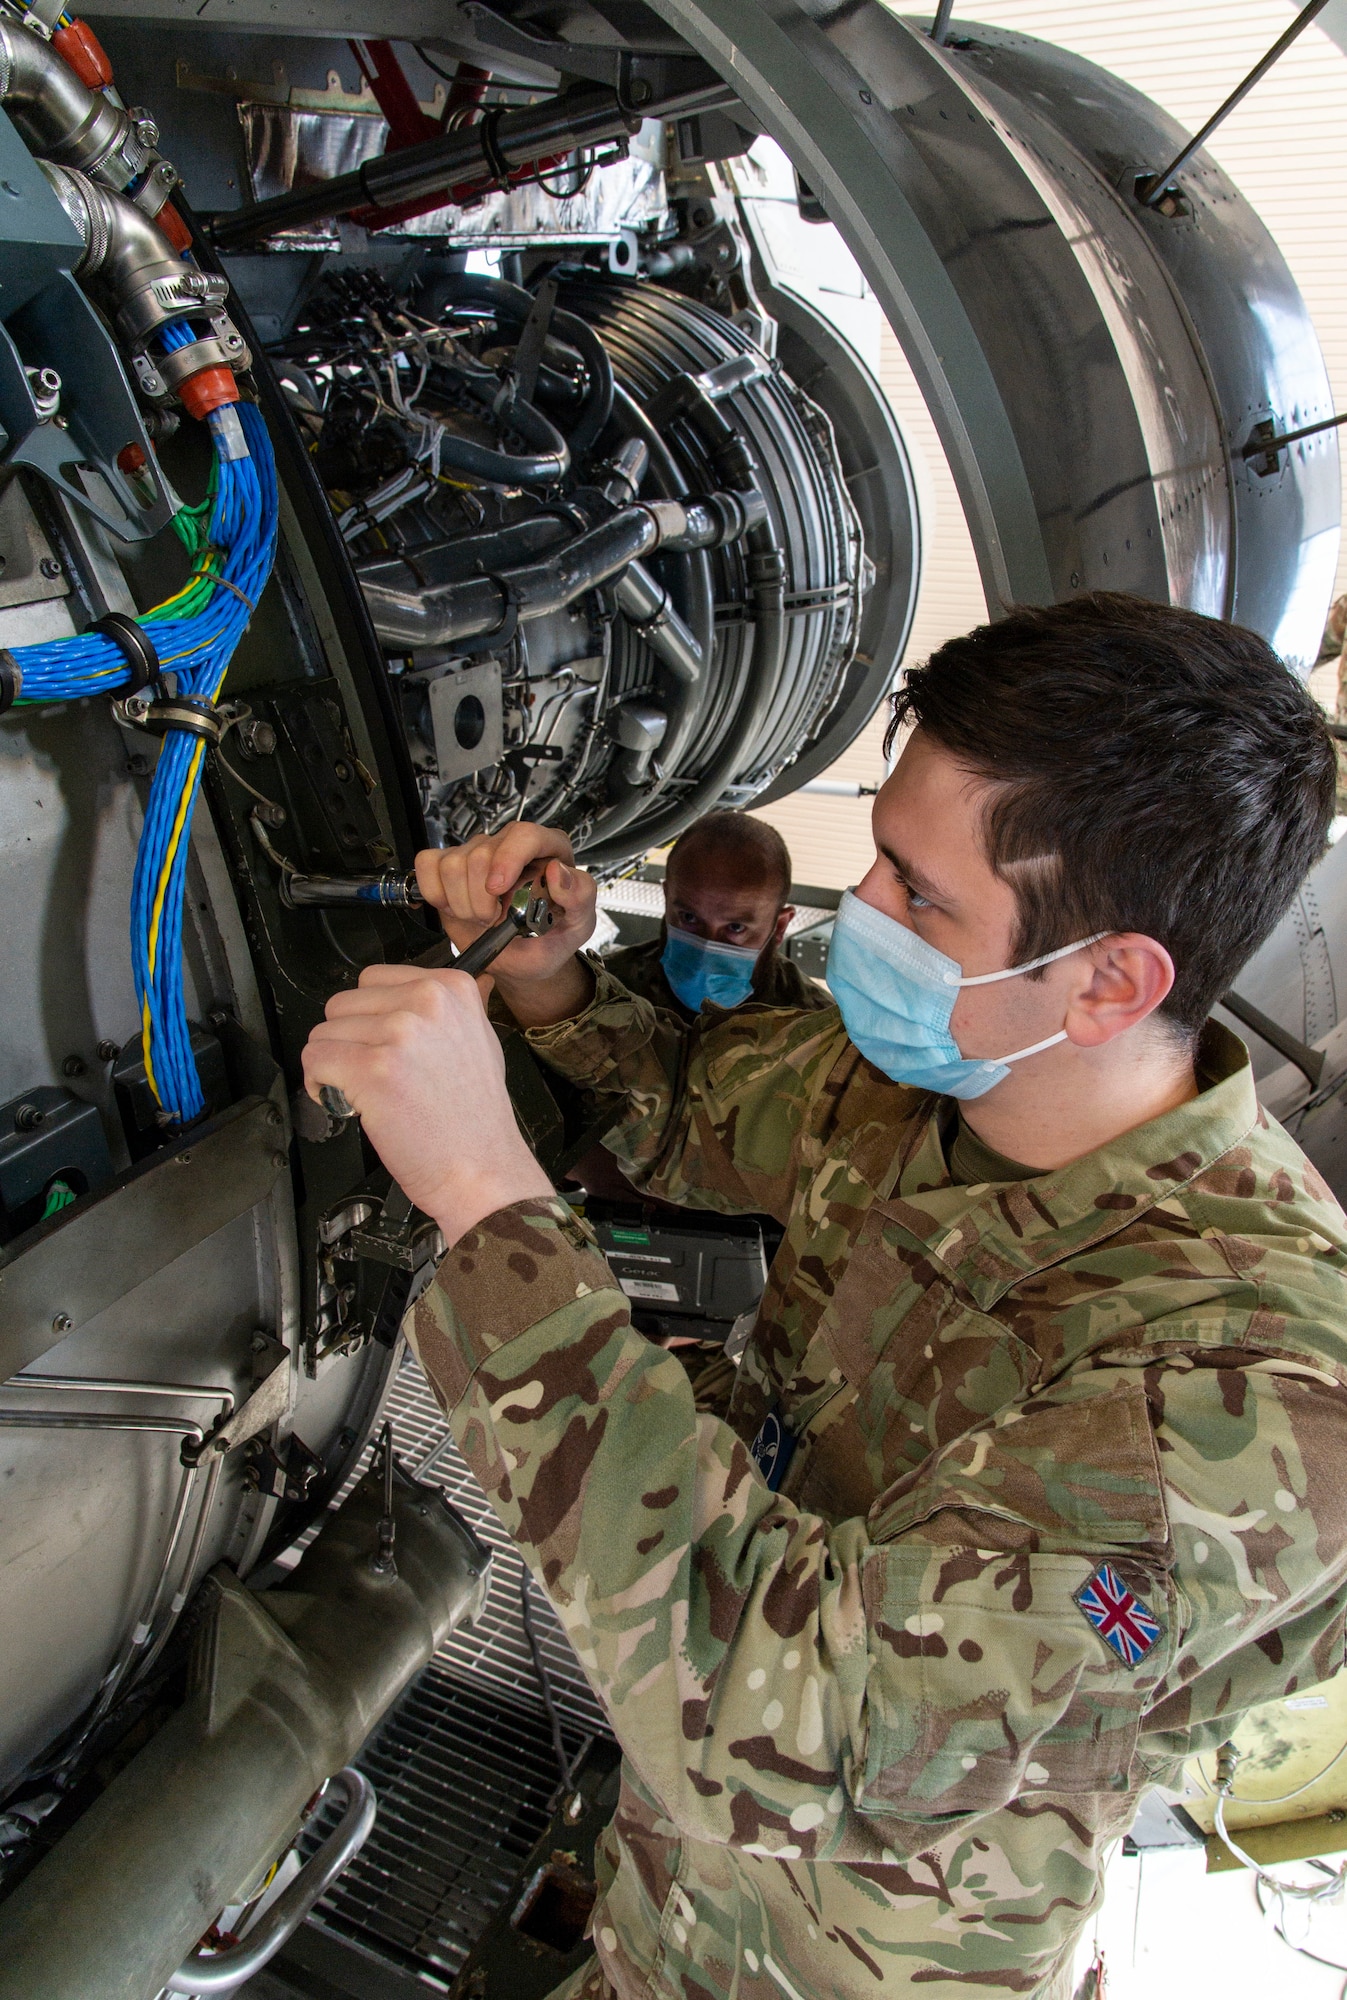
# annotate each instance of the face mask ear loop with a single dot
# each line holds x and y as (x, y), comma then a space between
(1013, 971)
(1036, 1049)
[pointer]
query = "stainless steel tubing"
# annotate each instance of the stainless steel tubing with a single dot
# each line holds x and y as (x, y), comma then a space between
(142, 1629)
(286, 1685)
(225, 1971)
(62, 117)
(648, 607)
(146, 283)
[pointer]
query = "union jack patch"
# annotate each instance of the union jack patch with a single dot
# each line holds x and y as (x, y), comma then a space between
(1119, 1616)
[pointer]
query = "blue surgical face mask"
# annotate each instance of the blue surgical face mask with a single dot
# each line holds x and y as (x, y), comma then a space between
(896, 994)
(698, 970)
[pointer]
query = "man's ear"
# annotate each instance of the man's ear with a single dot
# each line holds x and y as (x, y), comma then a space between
(783, 917)
(1122, 982)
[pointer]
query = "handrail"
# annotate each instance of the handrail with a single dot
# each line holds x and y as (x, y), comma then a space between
(223, 1971)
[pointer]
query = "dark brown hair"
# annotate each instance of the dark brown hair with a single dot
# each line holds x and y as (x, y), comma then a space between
(736, 836)
(1152, 770)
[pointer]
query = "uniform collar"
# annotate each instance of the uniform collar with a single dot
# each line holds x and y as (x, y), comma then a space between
(991, 1238)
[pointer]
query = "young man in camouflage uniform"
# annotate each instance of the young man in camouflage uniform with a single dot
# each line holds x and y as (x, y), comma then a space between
(726, 910)
(1048, 1394)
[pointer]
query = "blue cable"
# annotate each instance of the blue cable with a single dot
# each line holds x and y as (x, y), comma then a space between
(196, 646)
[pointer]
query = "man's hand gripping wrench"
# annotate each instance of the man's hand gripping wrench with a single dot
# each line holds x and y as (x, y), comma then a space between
(528, 914)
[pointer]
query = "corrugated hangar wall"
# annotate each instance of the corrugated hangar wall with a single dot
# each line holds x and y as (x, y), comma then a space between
(1286, 147)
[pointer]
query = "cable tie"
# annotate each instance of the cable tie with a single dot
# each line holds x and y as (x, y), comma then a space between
(501, 635)
(210, 576)
(193, 715)
(490, 144)
(133, 642)
(11, 680)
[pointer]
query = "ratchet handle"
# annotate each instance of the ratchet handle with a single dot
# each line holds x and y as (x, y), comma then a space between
(528, 915)
(480, 953)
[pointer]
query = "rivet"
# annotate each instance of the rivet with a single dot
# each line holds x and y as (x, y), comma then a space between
(866, 97)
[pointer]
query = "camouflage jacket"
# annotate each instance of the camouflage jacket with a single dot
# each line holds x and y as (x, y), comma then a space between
(780, 983)
(874, 1739)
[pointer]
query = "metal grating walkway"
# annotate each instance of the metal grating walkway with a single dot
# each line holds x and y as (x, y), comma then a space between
(463, 1764)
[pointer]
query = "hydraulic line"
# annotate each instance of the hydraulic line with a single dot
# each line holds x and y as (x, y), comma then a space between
(470, 161)
(512, 302)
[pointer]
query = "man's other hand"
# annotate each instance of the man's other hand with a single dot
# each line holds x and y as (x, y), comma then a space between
(417, 1058)
(538, 978)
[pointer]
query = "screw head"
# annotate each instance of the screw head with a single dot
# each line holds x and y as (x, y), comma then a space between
(27, 1118)
(108, 1051)
(63, 1323)
(866, 97)
(49, 566)
(185, 1159)
(279, 1160)
(74, 1066)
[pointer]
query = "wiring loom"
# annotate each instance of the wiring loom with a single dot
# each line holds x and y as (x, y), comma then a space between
(231, 541)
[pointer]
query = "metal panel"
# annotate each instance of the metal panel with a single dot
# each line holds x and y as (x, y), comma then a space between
(1044, 314)
(90, 1256)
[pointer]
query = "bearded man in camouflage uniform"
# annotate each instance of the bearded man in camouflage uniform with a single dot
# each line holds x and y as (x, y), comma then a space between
(1032, 1478)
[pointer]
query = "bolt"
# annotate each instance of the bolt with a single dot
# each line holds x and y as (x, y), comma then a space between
(108, 1051)
(257, 738)
(49, 566)
(63, 1323)
(74, 1066)
(27, 1118)
(642, 90)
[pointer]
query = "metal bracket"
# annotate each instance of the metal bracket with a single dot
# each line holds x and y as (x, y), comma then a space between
(268, 1403)
(289, 1474)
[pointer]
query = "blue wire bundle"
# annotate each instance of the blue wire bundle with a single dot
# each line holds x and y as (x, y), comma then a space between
(194, 634)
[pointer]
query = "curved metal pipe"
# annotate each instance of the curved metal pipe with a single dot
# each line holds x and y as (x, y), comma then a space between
(147, 283)
(62, 117)
(225, 1971)
(277, 1700)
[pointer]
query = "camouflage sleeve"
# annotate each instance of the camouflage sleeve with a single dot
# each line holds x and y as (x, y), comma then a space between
(778, 1681)
(708, 1115)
